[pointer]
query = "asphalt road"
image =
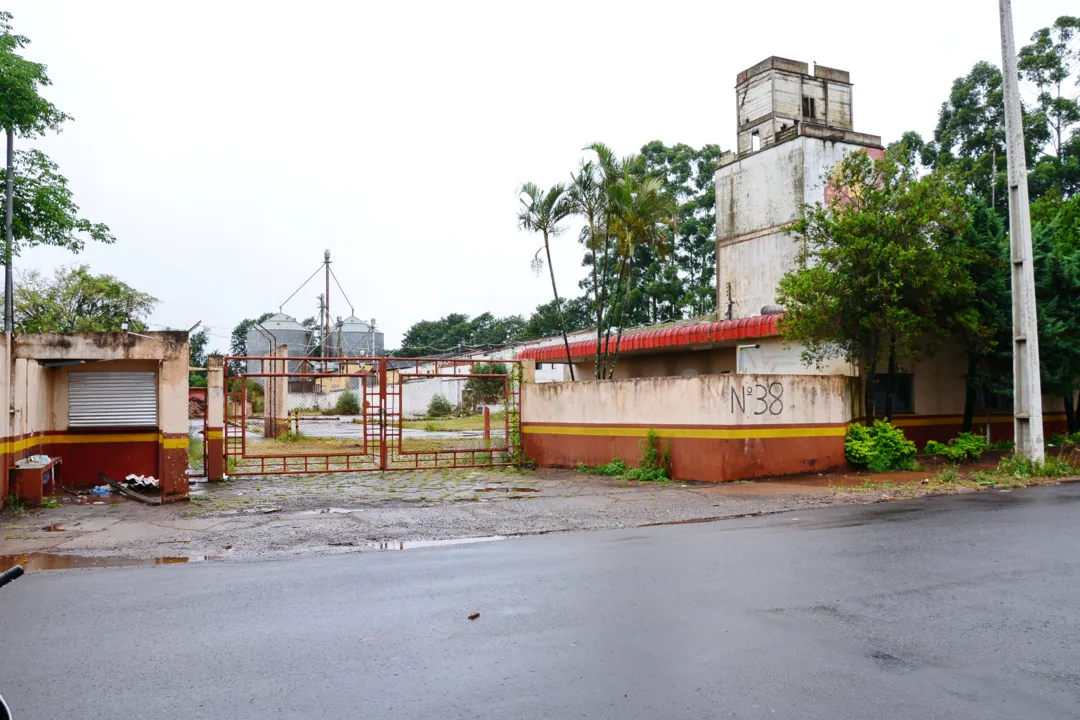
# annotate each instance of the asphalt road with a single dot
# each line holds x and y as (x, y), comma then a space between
(962, 607)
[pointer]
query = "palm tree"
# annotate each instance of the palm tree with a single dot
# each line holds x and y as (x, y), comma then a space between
(542, 212)
(588, 199)
(640, 210)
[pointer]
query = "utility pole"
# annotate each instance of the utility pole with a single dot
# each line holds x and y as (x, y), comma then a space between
(326, 309)
(9, 282)
(1027, 386)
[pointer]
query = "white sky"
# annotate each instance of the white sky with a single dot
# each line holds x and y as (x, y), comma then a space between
(228, 143)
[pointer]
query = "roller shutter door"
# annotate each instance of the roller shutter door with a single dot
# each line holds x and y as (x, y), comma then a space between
(112, 399)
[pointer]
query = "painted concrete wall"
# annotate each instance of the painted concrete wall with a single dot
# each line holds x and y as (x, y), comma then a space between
(39, 396)
(716, 427)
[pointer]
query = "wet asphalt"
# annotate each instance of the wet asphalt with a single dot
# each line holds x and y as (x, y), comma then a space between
(957, 607)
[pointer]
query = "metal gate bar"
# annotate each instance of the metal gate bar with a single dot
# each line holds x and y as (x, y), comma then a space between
(282, 423)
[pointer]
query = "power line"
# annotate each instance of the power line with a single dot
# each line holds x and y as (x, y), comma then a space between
(282, 305)
(352, 310)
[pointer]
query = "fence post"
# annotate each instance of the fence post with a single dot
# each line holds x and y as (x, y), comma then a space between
(487, 427)
(215, 418)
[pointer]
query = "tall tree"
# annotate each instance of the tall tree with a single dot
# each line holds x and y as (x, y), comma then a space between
(982, 308)
(76, 300)
(542, 212)
(641, 215)
(42, 210)
(544, 322)
(1056, 247)
(871, 276)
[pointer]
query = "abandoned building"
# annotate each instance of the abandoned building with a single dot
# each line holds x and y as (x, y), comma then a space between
(86, 405)
(729, 394)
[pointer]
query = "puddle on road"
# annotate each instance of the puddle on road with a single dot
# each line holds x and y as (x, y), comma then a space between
(51, 561)
(507, 489)
(328, 511)
(55, 527)
(413, 544)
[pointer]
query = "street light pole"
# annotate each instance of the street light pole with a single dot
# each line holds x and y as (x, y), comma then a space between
(1027, 387)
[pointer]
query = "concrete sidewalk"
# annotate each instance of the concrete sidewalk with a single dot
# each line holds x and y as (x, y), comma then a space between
(269, 516)
(275, 516)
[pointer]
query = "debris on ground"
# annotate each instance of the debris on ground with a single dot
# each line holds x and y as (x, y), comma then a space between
(142, 482)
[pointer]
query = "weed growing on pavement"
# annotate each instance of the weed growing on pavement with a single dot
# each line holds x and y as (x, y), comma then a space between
(948, 474)
(653, 465)
(50, 502)
(15, 503)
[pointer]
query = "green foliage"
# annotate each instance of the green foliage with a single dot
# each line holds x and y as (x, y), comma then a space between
(347, 404)
(74, 300)
(542, 211)
(544, 322)
(947, 474)
(15, 504)
(881, 447)
(23, 109)
(44, 212)
(238, 341)
(1056, 247)
(964, 447)
(876, 275)
(615, 468)
(456, 332)
(654, 465)
(484, 391)
(439, 407)
(50, 503)
(1022, 468)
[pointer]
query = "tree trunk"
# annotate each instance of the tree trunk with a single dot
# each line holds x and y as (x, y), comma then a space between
(596, 293)
(622, 315)
(558, 306)
(969, 395)
(611, 319)
(1072, 422)
(890, 383)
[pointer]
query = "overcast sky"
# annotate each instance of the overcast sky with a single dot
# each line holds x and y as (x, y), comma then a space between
(228, 143)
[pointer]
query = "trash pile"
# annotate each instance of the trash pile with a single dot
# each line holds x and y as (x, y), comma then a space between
(141, 482)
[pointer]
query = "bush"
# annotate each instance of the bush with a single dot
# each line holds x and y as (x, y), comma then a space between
(880, 447)
(439, 407)
(347, 404)
(966, 446)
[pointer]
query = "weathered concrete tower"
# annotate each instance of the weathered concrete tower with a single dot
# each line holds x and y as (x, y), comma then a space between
(794, 125)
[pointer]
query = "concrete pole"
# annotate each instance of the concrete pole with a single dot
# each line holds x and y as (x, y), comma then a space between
(1027, 386)
(327, 350)
(215, 418)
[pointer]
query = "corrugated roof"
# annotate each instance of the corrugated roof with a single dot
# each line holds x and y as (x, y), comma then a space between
(281, 321)
(666, 337)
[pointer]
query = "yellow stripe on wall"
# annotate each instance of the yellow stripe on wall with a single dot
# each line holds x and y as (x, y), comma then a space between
(14, 446)
(695, 433)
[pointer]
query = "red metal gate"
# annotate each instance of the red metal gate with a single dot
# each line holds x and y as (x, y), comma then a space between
(290, 415)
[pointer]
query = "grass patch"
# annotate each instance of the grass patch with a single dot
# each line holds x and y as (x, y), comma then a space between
(653, 466)
(449, 424)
